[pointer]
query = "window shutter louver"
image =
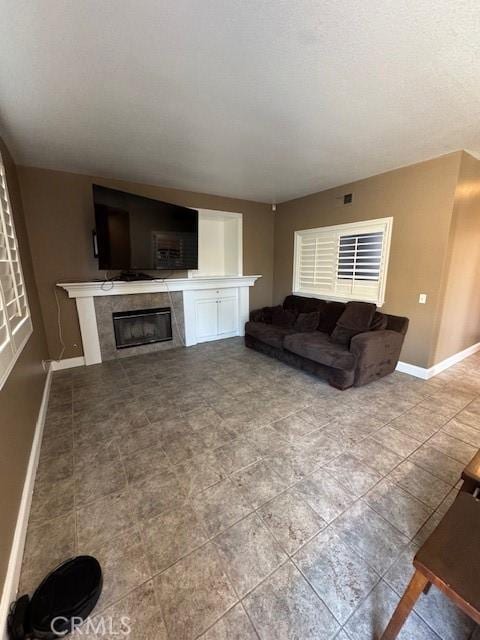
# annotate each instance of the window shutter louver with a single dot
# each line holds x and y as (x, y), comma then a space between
(343, 262)
(317, 262)
(15, 323)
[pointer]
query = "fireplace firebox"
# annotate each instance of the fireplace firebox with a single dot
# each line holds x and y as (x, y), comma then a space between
(142, 326)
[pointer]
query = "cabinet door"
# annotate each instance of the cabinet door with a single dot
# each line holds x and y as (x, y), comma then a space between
(227, 315)
(206, 319)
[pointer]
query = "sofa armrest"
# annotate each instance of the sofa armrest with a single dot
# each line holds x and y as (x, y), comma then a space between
(377, 354)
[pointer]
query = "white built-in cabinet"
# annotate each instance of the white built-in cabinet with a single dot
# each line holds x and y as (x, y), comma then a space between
(216, 314)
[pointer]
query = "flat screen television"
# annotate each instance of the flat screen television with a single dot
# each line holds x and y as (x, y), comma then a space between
(136, 233)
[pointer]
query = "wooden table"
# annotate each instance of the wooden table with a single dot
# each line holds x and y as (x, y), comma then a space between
(450, 560)
(471, 474)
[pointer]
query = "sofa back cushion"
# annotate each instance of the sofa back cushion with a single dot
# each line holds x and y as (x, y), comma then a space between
(299, 304)
(283, 317)
(265, 315)
(357, 318)
(329, 316)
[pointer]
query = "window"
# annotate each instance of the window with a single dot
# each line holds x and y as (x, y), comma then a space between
(344, 262)
(15, 323)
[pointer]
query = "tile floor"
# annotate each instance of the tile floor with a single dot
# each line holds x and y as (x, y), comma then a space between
(227, 495)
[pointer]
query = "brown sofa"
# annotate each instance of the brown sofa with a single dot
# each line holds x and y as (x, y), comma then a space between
(348, 344)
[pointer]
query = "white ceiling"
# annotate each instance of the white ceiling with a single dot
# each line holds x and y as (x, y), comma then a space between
(260, 99)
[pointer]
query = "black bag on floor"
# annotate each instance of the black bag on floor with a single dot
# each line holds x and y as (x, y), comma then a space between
(67, 595)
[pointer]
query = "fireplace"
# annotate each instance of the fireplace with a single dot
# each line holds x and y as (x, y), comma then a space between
(142, 326)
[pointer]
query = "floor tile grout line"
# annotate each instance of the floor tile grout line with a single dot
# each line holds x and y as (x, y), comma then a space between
(242, 604)
(342, 624)
(456, 437)
(232, 586)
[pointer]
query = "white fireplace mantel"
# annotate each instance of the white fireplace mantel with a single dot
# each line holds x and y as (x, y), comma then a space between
(85, 292)
(116, 288)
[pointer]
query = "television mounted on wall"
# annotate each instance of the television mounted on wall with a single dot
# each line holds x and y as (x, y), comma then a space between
(137, 233)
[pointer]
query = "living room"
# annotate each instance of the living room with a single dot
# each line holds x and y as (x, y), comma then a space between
(239, 317)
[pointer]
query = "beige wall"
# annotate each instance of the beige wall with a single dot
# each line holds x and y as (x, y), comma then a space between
(59, 214)
(420, 198)
(21, 395)
(460, 312)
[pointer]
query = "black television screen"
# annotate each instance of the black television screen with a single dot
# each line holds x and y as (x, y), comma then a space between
(136, 233)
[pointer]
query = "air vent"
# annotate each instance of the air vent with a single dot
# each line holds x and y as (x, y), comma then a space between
(344, 199)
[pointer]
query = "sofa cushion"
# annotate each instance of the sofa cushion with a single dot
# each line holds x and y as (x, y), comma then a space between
(262, 315)
(356, 318)
(267, 333)
(282, 317)
(300, 304)
(317, 346)
(307, 321)
(267, 314)
(329, 315)
(379, 322)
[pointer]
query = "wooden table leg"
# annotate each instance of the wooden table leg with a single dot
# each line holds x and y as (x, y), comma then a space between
(417, 584)
(469, 485)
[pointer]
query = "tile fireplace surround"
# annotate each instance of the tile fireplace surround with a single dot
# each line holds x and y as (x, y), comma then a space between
(105, 306)
(96, 301)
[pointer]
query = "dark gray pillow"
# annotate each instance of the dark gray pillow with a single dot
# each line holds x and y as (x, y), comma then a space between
(356, 319)
(306, 322)
(379, 322)
(283, 318)
(267, 314)
(329, 315)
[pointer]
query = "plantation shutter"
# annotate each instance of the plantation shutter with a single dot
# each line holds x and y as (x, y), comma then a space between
(345, 262)
(15, 323)
(317, 259)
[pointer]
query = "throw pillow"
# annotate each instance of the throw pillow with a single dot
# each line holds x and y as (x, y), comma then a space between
(283, 318)
(267, 314)
(307, 322)
(379, 322)
(356, 318)
(329, 315)
(292, 303)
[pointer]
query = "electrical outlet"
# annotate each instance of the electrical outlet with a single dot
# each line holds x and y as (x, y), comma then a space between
(422, 298)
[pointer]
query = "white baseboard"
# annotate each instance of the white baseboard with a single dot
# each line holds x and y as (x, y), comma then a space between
(426, 374)
(67, 363)
(412, 370)
(16, 552)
